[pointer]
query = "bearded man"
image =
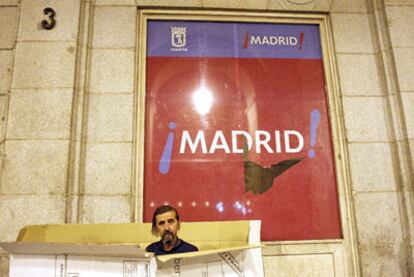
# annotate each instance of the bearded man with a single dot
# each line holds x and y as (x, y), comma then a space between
(166, 224)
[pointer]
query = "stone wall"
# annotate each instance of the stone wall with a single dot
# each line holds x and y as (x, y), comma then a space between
(378, 130)
(69, 124)
(9, 20)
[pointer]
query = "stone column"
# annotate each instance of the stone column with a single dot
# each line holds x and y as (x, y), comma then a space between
(9, 19)
(105, 186)
(36, 146)
(375, 127)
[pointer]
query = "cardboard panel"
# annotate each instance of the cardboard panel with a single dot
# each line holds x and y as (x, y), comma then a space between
(206, 235)
(49, 259)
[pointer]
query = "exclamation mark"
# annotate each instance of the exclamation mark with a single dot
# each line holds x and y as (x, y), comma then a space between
(302, 35)
(315, 116)
(165, 161)
(246, 40)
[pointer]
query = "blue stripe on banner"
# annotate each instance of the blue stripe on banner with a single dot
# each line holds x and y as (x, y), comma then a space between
(233, 40)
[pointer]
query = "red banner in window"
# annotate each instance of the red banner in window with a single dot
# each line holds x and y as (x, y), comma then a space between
(237, 127)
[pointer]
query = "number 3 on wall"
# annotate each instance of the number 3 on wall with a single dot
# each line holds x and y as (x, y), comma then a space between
(51, 13)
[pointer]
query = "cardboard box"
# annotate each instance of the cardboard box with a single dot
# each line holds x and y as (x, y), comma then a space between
(106, 250)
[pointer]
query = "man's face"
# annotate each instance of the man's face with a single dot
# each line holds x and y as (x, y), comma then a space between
(167, 226)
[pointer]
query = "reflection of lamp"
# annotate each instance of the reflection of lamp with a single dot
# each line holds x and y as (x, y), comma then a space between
(202, 99)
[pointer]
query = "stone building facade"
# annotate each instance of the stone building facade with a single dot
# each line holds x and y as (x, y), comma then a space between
(69, 114)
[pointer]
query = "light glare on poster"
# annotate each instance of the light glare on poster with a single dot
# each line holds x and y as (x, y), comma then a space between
(202, 99)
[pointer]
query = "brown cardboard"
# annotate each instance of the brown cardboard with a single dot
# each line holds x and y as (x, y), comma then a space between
(113, 250)
(118, 249)
(205, 235)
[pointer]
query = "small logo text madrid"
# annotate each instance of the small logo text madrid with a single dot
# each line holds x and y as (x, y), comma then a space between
(273, 40)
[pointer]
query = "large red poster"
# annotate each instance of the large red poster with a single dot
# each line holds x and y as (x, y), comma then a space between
(237, 127)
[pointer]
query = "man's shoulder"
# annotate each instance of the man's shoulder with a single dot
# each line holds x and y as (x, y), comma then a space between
(153, 247)
(188, 247)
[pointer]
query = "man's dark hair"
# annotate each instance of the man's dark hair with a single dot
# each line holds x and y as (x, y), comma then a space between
(161, 210)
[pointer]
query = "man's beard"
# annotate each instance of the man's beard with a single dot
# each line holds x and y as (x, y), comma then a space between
(167, 238)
